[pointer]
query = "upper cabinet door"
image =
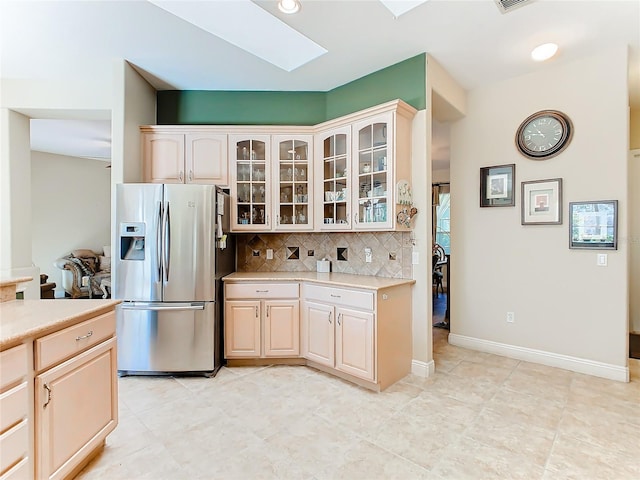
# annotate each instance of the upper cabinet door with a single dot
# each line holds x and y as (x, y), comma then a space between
(163, 157)
(206, 159)
(250, 182)
(373, 171)
(293, 181)
(333, 171)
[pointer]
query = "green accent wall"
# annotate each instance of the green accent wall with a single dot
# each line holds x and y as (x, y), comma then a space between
(405, 80)
(196, 107)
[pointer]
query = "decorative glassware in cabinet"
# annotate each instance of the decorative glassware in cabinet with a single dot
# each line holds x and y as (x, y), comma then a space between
(372, 173)
(251, 182)
(293, 164)
(335, 178)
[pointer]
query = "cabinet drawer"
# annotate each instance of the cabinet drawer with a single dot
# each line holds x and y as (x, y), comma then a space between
(262, 290)
(17, 472)
(14, 405)
(65, 343)
(14, 445)
(13, 365)
(339, 296)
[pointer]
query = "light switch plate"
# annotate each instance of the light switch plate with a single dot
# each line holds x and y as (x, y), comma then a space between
(602, 259)
(415, 258)
(269, 253)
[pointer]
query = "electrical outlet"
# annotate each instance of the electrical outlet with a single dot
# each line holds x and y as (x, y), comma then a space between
(269, 253)
(415, 258)
(368, 256)
(511, 317)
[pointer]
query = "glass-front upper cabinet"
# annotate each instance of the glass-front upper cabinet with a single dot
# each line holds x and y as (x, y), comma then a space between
(373, 153)
(251, 182)
(293, 182)
(333, 160)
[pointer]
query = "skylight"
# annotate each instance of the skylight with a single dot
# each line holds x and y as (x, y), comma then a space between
(398, 7)
(249, 27)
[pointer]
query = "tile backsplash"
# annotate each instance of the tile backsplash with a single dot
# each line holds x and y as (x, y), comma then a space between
(298, 252)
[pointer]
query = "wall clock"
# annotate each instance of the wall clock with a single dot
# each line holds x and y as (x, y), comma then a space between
(544, 134)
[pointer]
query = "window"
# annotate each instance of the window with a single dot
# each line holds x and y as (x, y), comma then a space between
(442, 217)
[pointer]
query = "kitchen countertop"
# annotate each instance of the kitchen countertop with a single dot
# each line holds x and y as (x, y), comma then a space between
(340, 279)
(8, 287)
(22, 319)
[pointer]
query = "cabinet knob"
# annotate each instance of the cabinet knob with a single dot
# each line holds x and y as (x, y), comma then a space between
(257, 314)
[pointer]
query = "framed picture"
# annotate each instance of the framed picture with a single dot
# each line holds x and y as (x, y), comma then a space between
(593, 225)
(542, 202)
(496, 186)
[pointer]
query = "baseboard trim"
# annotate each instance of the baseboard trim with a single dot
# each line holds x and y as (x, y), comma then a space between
(580, 365)
(423, 369)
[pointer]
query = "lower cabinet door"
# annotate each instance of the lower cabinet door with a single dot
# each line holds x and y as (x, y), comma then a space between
(281, 328)
(242, 329)
(76, 407)
(354, 343)
(318, 333)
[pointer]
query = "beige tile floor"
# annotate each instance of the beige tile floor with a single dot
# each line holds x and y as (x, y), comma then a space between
(480, 416)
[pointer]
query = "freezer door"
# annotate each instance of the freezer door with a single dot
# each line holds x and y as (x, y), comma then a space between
(136, 267)
(166, 338)
(189, 243)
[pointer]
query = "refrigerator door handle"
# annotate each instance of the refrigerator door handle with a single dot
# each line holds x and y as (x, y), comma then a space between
(162, 307)
(167, 243)
(159, 243)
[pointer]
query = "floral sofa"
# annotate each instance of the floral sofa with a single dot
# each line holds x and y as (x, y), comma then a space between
(84, 263)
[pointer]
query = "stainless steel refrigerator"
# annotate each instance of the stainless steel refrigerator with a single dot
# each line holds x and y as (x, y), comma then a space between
(173, 248)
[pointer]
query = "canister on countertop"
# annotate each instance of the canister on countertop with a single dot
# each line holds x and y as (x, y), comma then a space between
(324, 265)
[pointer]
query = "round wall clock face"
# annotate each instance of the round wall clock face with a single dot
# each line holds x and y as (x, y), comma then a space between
(544, 134)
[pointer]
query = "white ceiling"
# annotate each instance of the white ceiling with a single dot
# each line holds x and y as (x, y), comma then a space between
(472, 40)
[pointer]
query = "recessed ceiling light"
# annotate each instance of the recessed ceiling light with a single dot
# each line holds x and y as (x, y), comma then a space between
(289, 6)
(544, 52)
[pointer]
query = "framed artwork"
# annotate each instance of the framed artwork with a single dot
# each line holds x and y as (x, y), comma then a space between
(593, 225)
(542, 202)
(496, 186)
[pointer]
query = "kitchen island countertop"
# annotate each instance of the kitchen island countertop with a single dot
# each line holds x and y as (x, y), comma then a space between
(23, 319)
(335, 279)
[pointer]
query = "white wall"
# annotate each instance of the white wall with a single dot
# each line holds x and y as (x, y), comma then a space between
(569, 312)
(71, 208)
(20, 100)
(15, 209)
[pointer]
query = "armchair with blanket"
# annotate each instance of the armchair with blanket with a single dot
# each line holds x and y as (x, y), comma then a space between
(82, 263)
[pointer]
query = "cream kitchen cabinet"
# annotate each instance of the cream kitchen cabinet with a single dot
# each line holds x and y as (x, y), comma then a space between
(333, 171)
(16, 456)
(361, 157)
(337, 336)
(361, 335)
(251, 182)
(173, 155)
(76, 395)
(261, 320)
(293, 180)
